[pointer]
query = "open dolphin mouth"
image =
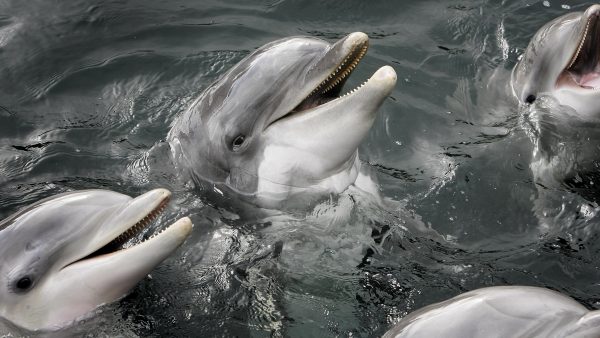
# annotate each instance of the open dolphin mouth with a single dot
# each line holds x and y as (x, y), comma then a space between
(583, 70)
(139, 226)
(331, 87)
(116, 245)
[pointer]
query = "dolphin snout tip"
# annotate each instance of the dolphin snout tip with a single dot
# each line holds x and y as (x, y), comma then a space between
(386, 74)
(357, 38)
(593, 10)
(161, 192)
(180, 230)
(185, 225)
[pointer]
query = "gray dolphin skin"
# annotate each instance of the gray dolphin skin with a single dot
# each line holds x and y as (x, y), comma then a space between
(62, 256)
(502, 311)
(562, 60)
(277, 125)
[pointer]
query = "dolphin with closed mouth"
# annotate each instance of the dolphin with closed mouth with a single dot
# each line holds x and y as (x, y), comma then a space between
(277, 124)
(563, 60)
(501, 311)
(62, 257)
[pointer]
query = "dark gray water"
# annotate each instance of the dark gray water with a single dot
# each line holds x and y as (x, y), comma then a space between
(87, 89)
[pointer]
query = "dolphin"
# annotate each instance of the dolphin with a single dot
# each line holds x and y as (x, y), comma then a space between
(278, 124)
(62, 257)
(562, 60)
(501, 311)
(560, 72)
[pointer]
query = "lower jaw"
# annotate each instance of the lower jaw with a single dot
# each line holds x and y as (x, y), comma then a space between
(577, 89)
(578, 102)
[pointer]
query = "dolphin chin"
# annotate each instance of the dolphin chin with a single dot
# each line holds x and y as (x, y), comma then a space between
(278, 124)
(563, 60)
(324, 142)
(501, 311)
(63, 256)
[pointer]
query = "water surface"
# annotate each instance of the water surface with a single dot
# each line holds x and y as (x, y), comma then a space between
(89, 89)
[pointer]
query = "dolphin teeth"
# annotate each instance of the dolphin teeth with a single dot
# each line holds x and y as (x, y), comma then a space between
(139, 226)
(581, 43)
(334, 80)
(344, 68)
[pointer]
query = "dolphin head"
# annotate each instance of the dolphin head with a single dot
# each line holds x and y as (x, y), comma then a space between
(563, 59)
(277, 121)
(62, 256)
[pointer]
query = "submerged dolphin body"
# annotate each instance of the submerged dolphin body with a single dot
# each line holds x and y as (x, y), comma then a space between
(275, 126)
(61, 257)
(502, 311)
(563, 60)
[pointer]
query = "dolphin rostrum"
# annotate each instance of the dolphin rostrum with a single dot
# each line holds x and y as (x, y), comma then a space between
(501, 311)
(563, 60)
(276, 125)
(62, 257)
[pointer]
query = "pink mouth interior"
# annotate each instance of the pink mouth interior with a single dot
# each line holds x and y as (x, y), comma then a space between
(590, 80)
(584, 69)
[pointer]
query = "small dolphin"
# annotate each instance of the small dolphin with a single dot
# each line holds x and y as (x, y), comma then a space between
(560, 71)
(61, 257)
(501, 311)
(562, 60)
(276, 125)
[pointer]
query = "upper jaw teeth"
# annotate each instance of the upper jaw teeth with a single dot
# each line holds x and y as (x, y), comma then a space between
(581, 42)
(342, 71)
(139, 226)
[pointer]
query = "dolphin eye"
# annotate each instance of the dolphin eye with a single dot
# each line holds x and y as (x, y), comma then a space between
(24, 283)
(238, 142)
(530, 98)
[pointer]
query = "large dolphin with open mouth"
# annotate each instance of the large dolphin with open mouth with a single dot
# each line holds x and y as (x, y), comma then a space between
(278, 125)
(501, 311)
(62, 257)
(563, 60)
